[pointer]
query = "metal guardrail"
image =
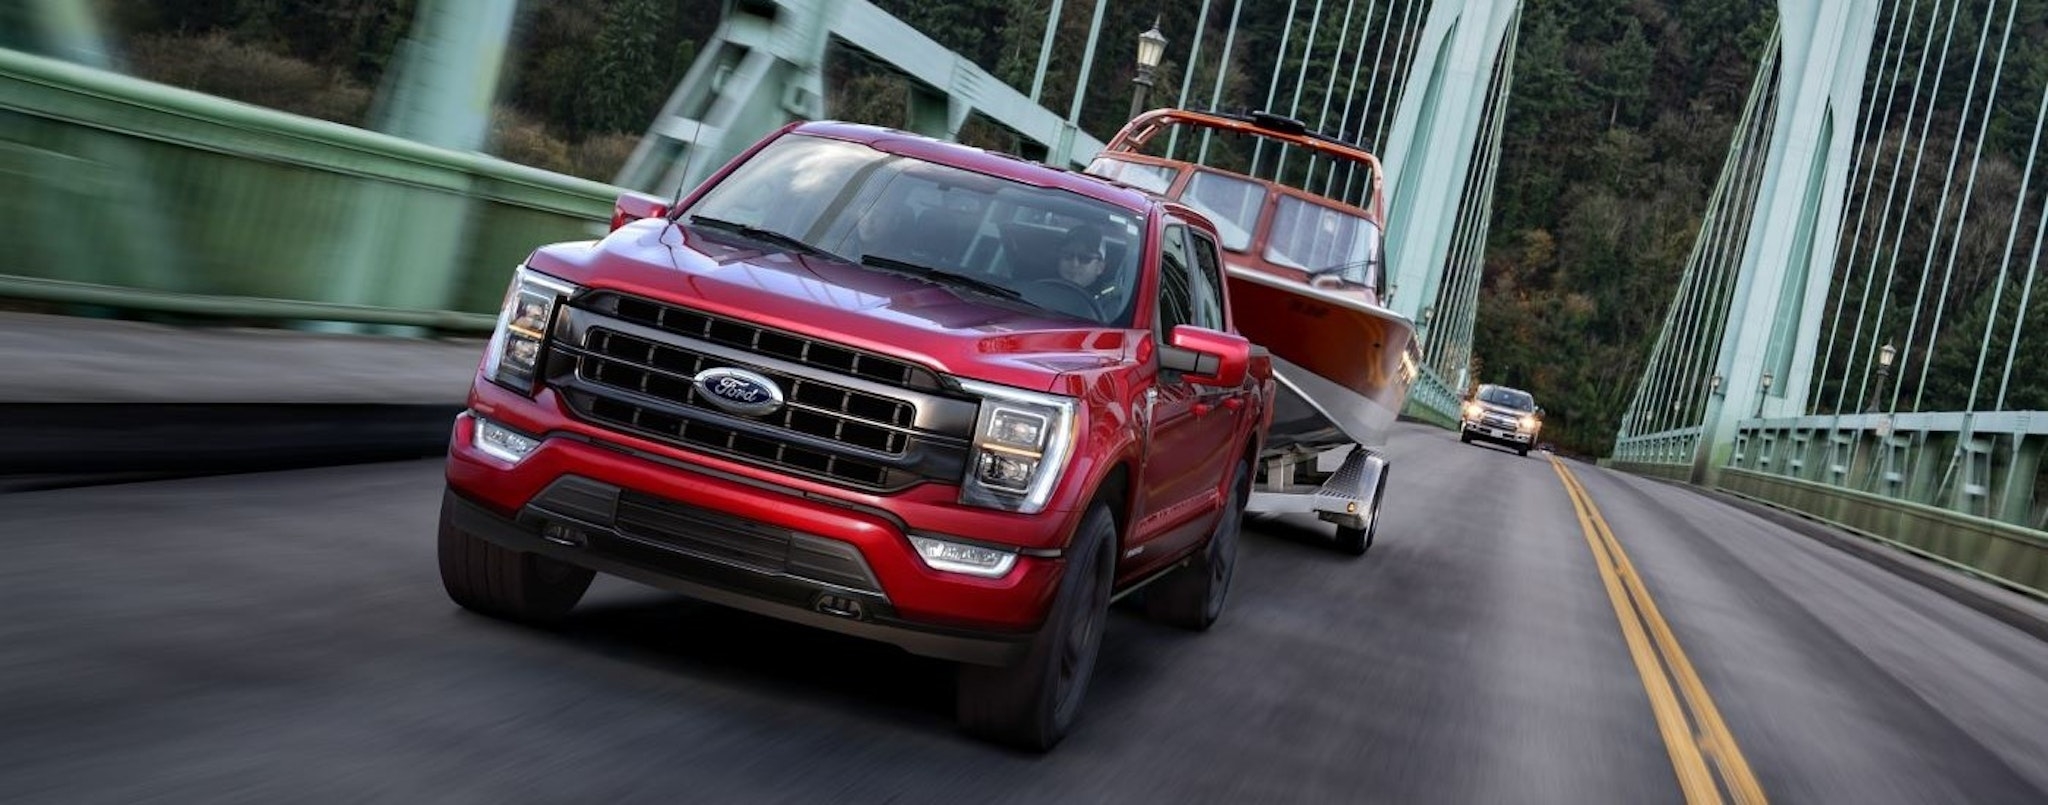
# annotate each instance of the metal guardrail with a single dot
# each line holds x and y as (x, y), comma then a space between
(1432, 400)
(140, 196)
(1963, 488)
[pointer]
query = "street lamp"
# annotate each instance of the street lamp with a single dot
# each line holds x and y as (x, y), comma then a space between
(1151, 46)
(1714, 385)
(1763, 392)
(1884, 369)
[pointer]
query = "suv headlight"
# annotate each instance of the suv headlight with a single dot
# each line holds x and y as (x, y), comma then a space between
(1022, 440)
(520, 343)
(1528, 422)
(1472, 411)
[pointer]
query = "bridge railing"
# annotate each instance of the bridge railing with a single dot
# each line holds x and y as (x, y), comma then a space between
(1964, 489)
(1432, 400)
(122, 193)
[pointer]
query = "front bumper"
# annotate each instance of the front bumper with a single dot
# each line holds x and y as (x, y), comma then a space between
(607, 549)
(741, 542)
(1508, 436)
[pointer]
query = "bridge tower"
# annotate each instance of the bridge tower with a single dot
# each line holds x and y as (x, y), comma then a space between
(1440, 162)
(1780, 294)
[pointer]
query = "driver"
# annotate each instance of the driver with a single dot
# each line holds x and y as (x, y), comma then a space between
(1082, 263)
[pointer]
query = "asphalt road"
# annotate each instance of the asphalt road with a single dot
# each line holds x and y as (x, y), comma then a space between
(283, 638)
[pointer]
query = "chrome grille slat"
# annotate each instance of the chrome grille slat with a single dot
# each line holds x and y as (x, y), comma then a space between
(631, 363)
(766, 341)
(798, 417)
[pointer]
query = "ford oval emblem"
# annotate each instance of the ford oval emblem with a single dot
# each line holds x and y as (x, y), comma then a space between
(739, 391)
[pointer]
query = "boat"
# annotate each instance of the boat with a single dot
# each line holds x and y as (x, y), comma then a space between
(1304, 256)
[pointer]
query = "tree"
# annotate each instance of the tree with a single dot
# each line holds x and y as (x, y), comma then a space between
(625, 77)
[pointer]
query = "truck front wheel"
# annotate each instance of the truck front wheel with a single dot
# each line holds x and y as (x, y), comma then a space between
(1192, 597)
(504, 583)
(1031, 704)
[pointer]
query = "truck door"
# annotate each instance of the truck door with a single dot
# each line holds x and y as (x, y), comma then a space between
(1190, 448)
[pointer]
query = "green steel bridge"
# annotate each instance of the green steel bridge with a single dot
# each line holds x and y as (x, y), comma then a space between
(1847, 340)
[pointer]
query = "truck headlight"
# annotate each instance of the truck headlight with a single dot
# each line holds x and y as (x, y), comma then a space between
(1472, 411)
(1022, 440)
(1528, 422)
(520, 343)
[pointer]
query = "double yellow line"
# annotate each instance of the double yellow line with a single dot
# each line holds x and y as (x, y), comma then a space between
(1694, 741)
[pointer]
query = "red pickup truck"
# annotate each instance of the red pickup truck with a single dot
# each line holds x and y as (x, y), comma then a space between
(879, 384)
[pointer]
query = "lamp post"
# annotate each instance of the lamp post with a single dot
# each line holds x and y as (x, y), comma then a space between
(1762, 393)
(1884, 369)
(1151, 46)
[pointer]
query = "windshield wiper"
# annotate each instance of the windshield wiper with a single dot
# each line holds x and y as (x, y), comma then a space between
(946, 277)
(764, 235)
(1341, 269)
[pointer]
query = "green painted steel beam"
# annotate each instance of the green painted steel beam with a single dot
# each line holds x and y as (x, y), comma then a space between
(764, 67)
(405, 249)
(1436, 128)
(1825, 47)
(256, 212)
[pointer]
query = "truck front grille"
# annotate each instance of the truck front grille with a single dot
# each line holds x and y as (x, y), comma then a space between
(734, 443)
(813, 408)
(848, 418)
(765, 341)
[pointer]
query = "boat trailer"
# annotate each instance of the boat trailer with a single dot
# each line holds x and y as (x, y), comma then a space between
(1343, 485)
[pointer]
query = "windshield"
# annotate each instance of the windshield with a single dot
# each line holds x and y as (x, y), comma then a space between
(1061, 252)
(1229, 202)
(1507, 398)
(1313, 237)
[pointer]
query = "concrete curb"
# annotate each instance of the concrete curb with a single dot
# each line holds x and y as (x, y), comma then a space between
(2001, 603)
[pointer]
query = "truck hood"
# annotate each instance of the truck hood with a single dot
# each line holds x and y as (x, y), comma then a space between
(953, 329)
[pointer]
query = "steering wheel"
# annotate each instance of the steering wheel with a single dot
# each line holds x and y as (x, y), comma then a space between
(1055, 293)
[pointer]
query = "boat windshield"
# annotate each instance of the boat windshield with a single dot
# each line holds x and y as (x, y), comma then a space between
(1146, 177)
(1314, 237)
(1230, 202)
(1507, 398)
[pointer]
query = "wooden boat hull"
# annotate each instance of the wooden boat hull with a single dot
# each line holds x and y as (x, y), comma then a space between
(1343, 364)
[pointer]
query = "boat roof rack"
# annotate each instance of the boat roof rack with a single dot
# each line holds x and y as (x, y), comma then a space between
(1281, 123)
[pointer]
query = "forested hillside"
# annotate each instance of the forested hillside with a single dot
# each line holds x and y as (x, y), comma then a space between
(1619, 120)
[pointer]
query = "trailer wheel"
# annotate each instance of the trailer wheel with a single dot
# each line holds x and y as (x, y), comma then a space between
(1356, 541)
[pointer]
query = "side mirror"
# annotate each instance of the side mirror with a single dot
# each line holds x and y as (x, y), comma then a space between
(633, 206)
(1207, 357)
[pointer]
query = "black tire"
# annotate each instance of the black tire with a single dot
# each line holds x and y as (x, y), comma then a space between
(1464, 437)
(1032, 704)
(1356, 541)
(504, 583)
(1522, 451)
(1193, 596)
